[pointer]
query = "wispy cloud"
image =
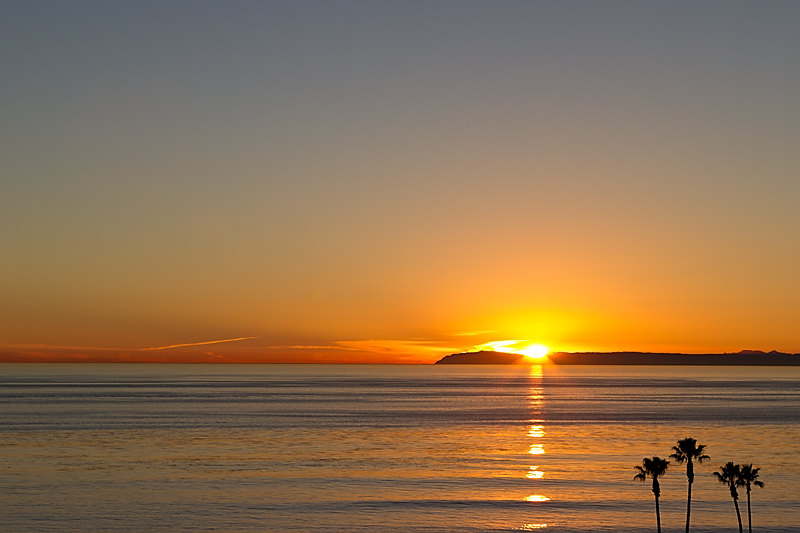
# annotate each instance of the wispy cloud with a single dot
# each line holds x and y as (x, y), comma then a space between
(106, 348)
(194, 344)
(414, 350)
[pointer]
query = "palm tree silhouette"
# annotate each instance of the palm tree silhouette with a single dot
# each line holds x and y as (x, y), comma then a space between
(728, 475)
(687, 451)
(653, 468)
(747, 476)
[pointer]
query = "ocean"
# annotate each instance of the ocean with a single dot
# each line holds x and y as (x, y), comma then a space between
(388, 448)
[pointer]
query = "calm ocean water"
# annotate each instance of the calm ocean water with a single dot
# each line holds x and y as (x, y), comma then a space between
(296, 448)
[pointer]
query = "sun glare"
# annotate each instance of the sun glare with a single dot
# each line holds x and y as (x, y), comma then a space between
(522, 347)
(535, 351)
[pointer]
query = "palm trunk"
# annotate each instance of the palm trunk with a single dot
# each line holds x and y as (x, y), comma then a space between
(749, 520)
(657, 493)
(658, 516)
(688, 507)
(690, 476)
(738, 516)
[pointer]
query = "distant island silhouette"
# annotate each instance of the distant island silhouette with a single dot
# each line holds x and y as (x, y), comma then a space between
(743, 358)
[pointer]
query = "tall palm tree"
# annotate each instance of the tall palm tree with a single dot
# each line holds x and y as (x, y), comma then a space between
(687, 451)
(653, 468)
(749, 476)
(728, 475)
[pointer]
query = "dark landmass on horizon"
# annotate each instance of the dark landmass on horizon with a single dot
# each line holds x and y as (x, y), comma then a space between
(743, 358)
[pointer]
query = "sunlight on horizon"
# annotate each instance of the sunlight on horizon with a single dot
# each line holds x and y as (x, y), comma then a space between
(519, 346)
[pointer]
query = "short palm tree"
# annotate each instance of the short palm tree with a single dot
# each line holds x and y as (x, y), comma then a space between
(653, 468)
(748, 476)
(729, 474)
(687, 451)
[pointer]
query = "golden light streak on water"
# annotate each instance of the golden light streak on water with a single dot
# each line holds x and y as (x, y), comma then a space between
(536, 449)
(534, 473)
(536, 431)
(537, 498)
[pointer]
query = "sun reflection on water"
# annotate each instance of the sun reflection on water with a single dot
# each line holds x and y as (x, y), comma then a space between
(531, 527)
(536, 449)
(536, 401)
(537, 498)
(536, 431)
(534, 473)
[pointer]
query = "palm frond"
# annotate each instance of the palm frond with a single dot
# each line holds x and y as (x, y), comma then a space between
(729, 473)
(687, 449)
(651, 467)
(748, 474)
(678, 455)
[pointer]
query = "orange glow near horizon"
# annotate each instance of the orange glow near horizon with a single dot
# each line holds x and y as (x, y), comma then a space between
(525, 333)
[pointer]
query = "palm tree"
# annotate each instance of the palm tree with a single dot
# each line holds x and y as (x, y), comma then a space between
(728, 475)
(747, 476)
(653, 468)
(687, 451)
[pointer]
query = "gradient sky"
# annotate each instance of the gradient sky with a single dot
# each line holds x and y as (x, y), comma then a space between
(396, 181)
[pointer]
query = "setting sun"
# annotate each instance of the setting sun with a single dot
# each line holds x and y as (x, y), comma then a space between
(535, 351)
(522, 347)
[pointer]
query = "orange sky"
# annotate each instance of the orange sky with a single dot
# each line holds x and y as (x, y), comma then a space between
(387, 183)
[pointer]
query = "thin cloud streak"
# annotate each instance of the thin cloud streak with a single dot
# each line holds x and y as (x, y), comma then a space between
(194, 344)
(104, 348)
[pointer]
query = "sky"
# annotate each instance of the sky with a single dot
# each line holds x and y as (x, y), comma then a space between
(391, 182)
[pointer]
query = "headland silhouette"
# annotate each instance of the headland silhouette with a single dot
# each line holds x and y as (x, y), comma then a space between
(742, 358)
